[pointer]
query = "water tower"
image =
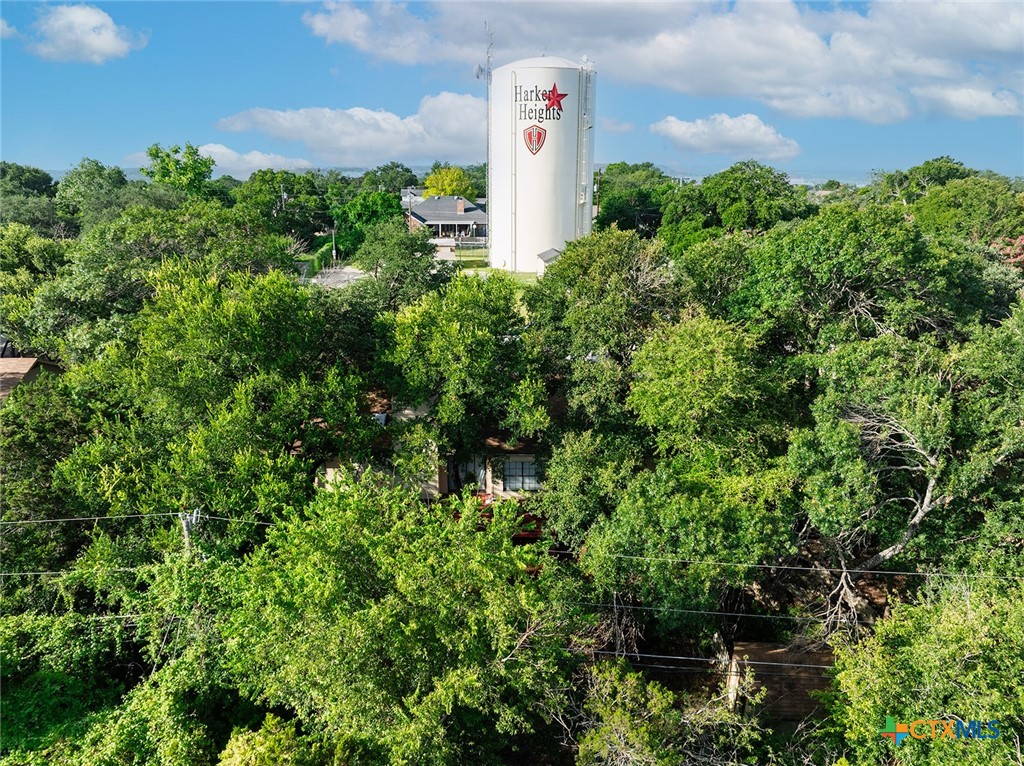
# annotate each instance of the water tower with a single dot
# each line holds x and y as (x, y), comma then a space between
(540, 160)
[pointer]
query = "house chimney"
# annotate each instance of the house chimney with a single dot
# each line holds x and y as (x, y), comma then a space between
(460, 205)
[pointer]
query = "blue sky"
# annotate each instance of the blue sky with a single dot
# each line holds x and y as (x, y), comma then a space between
(818, 90)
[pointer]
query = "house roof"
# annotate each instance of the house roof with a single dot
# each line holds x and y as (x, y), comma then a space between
(13, 371)
(793, 679)
(434, 210)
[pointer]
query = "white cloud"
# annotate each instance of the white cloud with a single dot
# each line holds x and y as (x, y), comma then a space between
(135, 160)
(383, 29)
(6, 30)
(232, 163)
(742, 136)
(449, 126)
(612, 125)
(877, 105)
(967, 101)
(811, 60)
(82, 33)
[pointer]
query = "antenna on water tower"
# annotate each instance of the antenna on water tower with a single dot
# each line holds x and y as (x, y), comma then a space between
(486, 72)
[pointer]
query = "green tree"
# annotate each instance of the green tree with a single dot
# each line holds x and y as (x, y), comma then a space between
(225, 401)
(688, 217)
(176, 710)
(289, 203)
(630, 197)
(908, 452)
(27, 194)
(91, 193)
(906, 186)
(186, 170)
(669, 543)
(627, 719)
(981, 210)
(21, 248)
(853, 273)
(445, 634)
(592, 309)
(390, 179)
(699, 384)
(589, 314)
(276, 743)
(713, 270)
(750, 195)
(954, 654)
(224, 186)
(37, 212)
(357, 216)
(109, 274)
(448, 181)
(746, 196)
(338, 190)
(143, 194)
(18, 179)
(200, 338)
(39, 427)
(402, 264)
(584, 480)
(478, 176)
(463, 350)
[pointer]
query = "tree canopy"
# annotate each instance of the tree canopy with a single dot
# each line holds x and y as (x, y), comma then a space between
(630, 197)
(27, 194)
(748, 196)
(390, 178)
(448, 181)
(184, 169)
(760, 419)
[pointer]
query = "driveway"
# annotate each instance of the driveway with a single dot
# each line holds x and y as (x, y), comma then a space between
(338, 277)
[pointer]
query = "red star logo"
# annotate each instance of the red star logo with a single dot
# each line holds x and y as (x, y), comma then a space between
(555, 98)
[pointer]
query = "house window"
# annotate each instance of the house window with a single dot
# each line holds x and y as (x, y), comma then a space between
(520, 476)
(473, 472)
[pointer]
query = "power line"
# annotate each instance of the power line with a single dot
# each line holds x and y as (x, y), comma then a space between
(750, 565)
(668, 559)
(709, 612)
(41, 573)
(241, 521)
(680, 669)
(84, 518)
(127, 516)
(79, 616)
(74, 571)
(711, 660)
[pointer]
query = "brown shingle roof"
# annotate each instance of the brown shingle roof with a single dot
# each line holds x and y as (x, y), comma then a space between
(13, 371)
(790, 678)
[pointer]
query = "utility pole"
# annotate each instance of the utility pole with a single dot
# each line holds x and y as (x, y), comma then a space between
(189, 520)
(615, 622)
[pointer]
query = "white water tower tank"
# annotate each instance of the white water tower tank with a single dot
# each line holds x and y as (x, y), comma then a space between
(540, 191)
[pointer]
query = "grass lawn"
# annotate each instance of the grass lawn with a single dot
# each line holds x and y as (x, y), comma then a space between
(472, 258)
(523, 277)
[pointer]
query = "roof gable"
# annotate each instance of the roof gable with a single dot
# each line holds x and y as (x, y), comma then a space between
(446, 210)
